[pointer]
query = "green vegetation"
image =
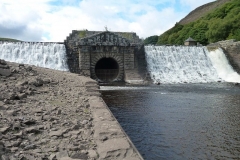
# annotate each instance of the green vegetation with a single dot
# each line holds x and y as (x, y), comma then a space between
(9, 39)
(126, 35)
(220, 24)
(82, 33)
(151, 40)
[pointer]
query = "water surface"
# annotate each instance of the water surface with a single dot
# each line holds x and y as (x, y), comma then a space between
(188, 121)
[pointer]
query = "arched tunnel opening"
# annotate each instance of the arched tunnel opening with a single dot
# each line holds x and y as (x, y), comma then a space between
(107, 69)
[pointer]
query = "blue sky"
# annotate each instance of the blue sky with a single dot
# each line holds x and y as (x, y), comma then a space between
(53, 20)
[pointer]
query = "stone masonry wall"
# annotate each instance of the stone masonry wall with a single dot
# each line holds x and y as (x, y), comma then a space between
(85, 48)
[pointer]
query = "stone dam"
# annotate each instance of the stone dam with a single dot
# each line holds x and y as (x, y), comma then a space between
(121, 57)
(108, 56)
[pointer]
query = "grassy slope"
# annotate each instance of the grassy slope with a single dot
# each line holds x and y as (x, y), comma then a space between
(215, 21)
(201, 11)
(9, 39)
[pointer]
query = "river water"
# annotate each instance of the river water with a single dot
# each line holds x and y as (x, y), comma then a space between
(180, 121)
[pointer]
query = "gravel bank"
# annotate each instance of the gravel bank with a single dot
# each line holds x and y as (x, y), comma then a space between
(56, 115)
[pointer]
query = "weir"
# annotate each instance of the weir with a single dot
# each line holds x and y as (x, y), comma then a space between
(48, 55)
(109, 57)
(182, 64)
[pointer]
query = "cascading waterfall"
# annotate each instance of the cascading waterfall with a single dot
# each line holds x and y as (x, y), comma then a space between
(224, 69)
(180, 64)
(48, 55)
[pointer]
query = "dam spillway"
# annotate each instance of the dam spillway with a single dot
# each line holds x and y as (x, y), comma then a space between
(47, 55)
(166, 64)
(184, 64)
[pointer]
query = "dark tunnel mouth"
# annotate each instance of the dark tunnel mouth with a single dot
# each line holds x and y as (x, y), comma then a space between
(107, 69)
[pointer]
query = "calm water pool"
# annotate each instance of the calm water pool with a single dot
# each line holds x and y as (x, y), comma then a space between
(188, 121)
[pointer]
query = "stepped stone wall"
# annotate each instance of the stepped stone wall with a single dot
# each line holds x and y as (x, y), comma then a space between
(232, 51)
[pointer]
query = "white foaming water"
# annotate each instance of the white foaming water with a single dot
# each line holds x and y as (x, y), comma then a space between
(224, 69)
(180, 64)
(110, 88)
(48, 55)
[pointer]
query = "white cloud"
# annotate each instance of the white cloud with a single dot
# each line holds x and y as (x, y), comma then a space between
(53, 20)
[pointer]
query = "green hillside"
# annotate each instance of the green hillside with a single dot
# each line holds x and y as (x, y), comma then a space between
(9, 39)
(219, 24)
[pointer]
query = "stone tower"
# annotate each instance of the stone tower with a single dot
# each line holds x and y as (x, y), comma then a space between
(106, 56)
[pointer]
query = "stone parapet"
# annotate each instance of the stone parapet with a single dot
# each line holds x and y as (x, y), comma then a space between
(112, 142)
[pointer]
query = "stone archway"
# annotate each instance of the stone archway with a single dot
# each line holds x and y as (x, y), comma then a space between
(112, 61)
(106, 69)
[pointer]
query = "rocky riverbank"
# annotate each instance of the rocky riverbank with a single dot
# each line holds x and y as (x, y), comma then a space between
(55, 115)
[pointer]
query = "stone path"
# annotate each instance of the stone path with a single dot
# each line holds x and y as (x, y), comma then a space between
(55, 115)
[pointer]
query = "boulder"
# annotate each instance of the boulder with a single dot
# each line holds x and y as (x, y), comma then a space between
(92, 154)
(3, 62)
(5, 72)
(4, 66)
(29, 68)
(36, 82)
(21, 65)
(46, 80)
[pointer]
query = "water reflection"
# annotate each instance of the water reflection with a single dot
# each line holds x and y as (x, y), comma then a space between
(200, 121)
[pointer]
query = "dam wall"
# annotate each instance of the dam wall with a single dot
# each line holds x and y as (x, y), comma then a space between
(42, 54)
(106, 56)
(103, 56)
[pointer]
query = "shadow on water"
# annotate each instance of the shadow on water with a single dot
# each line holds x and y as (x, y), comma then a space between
(190, 121)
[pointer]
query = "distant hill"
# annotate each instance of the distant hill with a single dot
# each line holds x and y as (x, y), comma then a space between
(201, 11)
(9, 39)
(209, 23)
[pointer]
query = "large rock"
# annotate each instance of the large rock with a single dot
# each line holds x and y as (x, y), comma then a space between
(5, 72)
(3, 62)
(4, 68)
(36, 82)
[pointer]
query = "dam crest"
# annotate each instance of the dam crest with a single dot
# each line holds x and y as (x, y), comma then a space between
(121, 57)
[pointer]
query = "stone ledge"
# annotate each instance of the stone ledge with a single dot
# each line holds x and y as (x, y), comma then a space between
(112, 141)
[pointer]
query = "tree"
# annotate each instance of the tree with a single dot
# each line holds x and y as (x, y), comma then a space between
(151, 40)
